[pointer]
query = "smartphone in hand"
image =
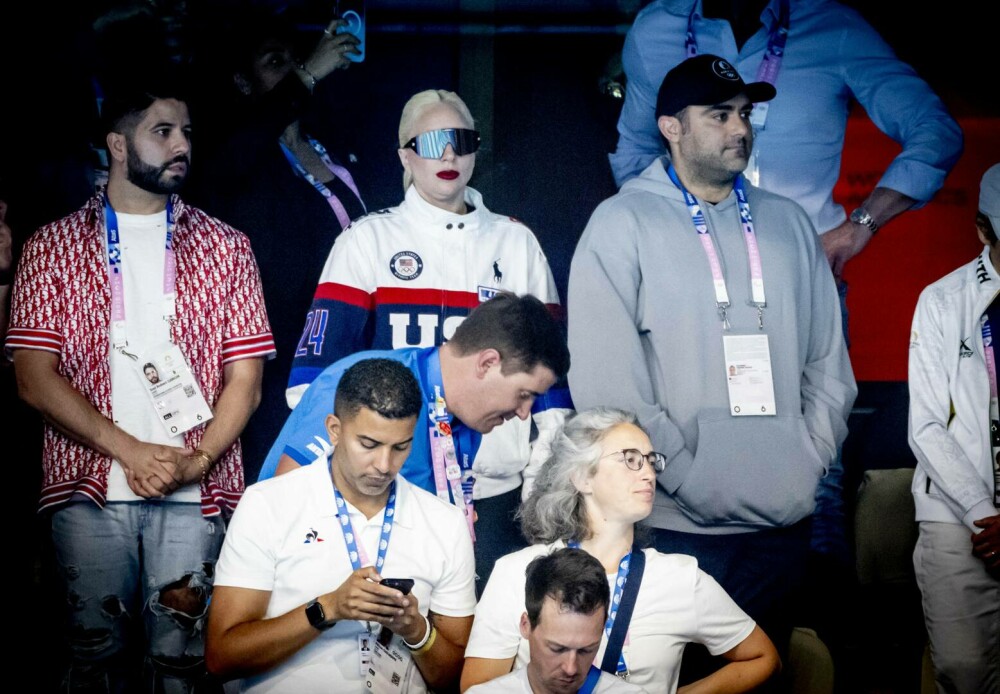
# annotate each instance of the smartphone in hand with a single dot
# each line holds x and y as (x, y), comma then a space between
(404, 586)
(353, 14)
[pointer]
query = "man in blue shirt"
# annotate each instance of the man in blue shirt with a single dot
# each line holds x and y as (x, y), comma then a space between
(819, 55)
(498, 365)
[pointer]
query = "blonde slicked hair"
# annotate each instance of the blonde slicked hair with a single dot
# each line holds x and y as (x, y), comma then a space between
(414, 109)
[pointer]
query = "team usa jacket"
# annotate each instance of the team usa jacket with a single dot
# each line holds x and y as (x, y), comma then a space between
(407, 276)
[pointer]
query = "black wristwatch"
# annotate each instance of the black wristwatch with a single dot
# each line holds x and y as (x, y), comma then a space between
(317, 617)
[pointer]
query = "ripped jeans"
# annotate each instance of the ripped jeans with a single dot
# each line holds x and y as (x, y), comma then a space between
(136, 573)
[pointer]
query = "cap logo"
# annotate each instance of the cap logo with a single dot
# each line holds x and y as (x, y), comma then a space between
(723, 69)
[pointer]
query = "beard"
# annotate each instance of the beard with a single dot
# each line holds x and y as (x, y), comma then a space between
(155, 179)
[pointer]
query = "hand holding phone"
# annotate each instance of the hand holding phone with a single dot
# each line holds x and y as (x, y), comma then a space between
(404, 586)
(352, 15)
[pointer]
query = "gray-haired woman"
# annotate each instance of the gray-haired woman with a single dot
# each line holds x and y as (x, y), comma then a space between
(598, 483)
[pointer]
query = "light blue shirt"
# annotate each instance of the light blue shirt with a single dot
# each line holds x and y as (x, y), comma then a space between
(304, 437)
(832, 55)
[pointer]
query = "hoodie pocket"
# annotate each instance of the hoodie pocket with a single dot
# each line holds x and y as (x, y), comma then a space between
(757, 471)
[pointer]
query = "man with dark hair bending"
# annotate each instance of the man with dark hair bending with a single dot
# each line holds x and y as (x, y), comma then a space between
(566, 599)
(505, 354)
(300, 603)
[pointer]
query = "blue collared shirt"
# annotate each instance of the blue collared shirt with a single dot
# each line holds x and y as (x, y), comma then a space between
(304, 437)
(832, 55)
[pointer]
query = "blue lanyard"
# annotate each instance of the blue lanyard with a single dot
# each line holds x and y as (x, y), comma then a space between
(337, 170)
(776, 41)
(462, 436)
(118, 334)
(353, 550)
(991, 370)
(616, 599)
(592, 678)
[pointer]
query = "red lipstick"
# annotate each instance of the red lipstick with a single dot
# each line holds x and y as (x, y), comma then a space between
(449, 175)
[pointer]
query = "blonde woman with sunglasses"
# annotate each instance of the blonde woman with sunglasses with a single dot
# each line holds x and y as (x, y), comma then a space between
(407, 277)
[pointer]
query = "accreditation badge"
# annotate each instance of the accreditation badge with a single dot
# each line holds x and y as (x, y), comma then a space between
(173, 390)
(392, 669)
(748, 375)
(365, 641)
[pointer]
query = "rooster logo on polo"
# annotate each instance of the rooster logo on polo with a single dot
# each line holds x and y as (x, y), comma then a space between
(312, 536)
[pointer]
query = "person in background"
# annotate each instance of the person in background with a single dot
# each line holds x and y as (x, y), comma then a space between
(408, 276)
(277, 168)
(955, 434)
(820, 55)
(590, 494)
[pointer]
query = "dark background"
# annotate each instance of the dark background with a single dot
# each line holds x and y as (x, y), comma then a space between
(530, 72)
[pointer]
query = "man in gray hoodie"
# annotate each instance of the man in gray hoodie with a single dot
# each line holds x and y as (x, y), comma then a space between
(707, 306)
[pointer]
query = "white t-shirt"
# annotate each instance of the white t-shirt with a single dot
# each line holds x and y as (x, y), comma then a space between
(517, 683)
(143, 241)
(677, 604)
(285, 538)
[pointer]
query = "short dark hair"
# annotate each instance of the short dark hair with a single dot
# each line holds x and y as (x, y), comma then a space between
(251, 30)
(149, 365)
(571, 577)
(986, 226)
(520, 328)
(382, 385)
(125, 105)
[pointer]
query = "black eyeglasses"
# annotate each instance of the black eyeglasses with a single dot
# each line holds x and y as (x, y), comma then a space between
(431, 145)
(633, 459)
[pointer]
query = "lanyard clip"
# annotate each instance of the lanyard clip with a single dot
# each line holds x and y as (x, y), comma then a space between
(131, 356)
(760, 317)
(723, 317)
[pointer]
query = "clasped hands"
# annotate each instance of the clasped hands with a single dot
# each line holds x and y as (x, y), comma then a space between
(154, 470)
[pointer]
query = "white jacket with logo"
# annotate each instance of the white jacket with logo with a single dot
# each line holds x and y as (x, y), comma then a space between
(407, 276)
(950, 397)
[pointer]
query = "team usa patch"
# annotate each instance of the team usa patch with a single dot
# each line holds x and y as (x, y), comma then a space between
(406, 265)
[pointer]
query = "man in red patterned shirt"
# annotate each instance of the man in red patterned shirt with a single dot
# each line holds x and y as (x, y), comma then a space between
(135, 479)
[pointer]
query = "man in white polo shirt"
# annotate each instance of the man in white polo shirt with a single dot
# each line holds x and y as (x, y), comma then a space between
(298, 604)
(566, 598)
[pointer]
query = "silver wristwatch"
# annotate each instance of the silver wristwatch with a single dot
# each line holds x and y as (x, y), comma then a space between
(862, 216)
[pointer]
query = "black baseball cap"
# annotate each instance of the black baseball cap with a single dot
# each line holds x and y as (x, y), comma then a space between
(705, 80)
